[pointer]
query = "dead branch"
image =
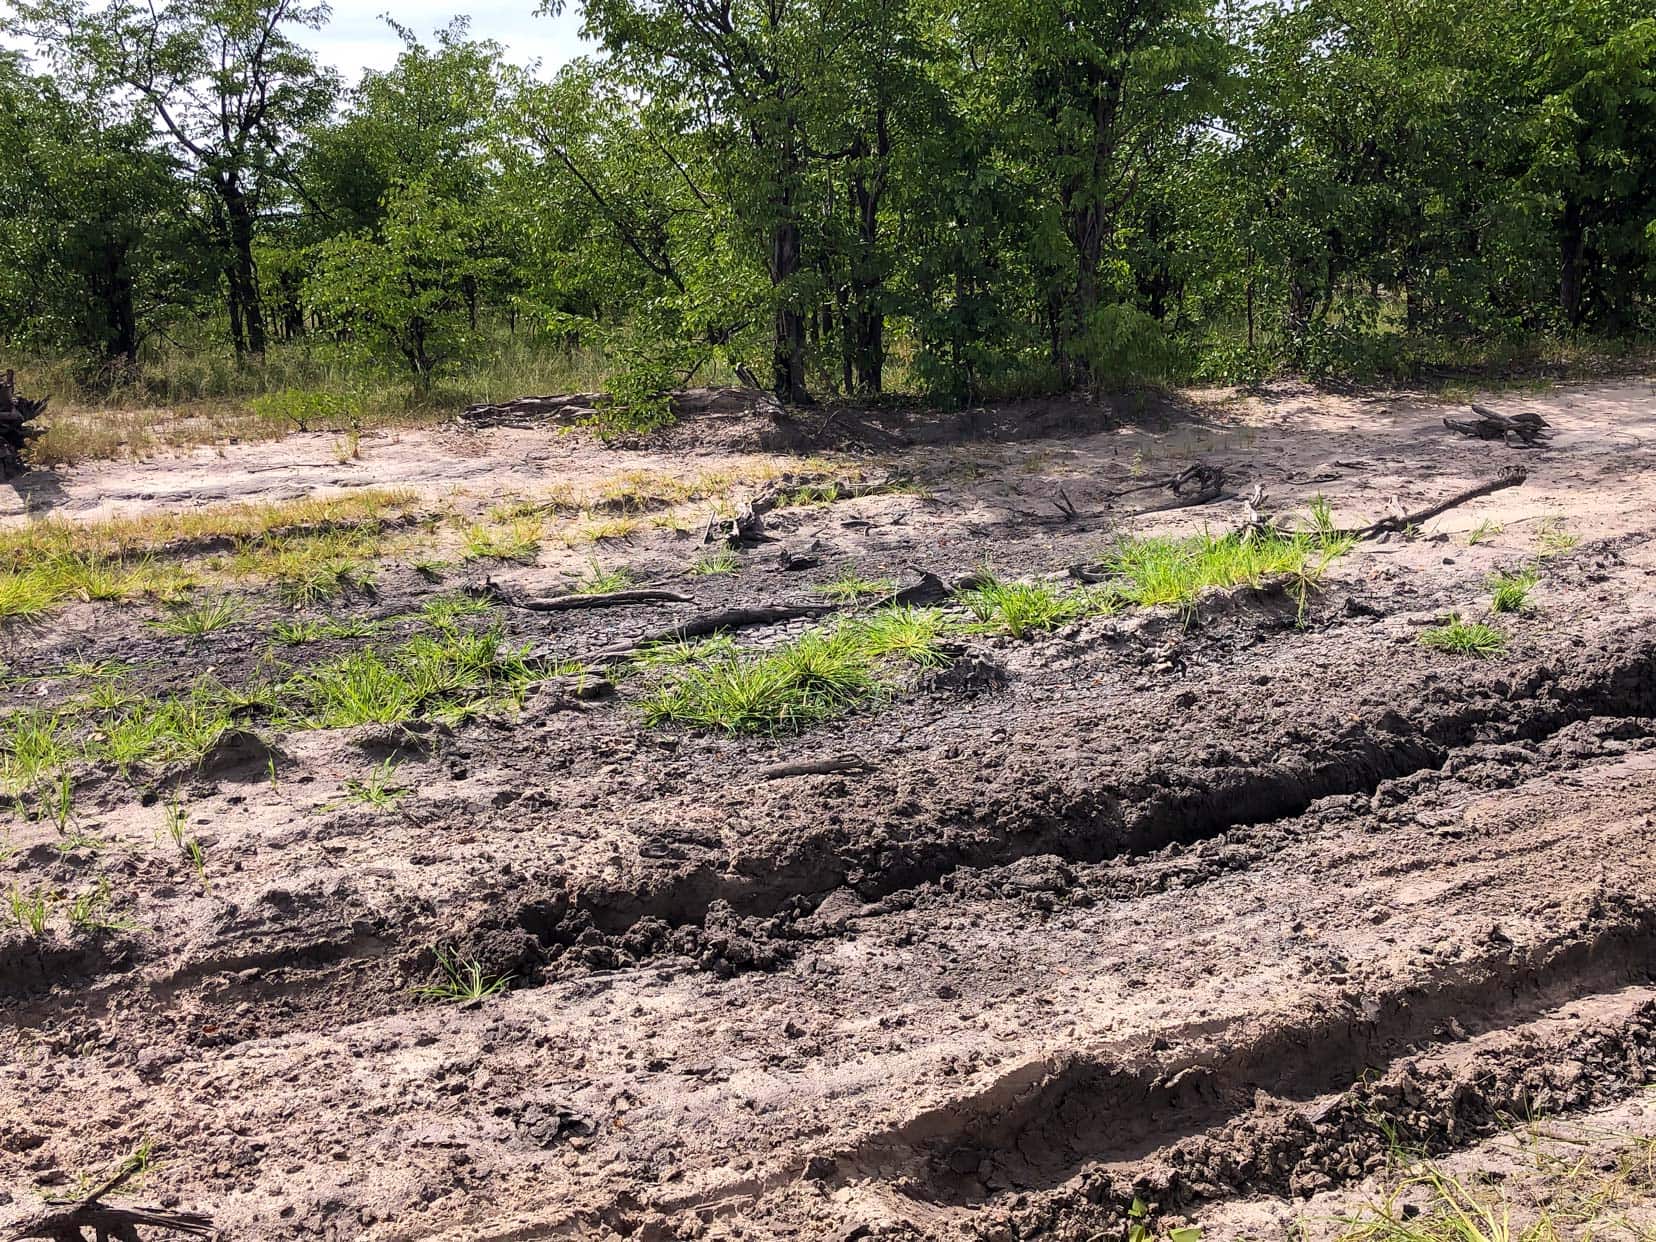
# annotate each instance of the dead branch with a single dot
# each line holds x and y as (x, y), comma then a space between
(1512, 476)
(928, 589)
(72, 1217)
(815, 767)
(599, 599)
(1531, 429)
(713, 623)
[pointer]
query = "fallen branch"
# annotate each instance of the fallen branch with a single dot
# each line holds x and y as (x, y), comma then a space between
(599, 599)
(712, 623)
(1207, 482)
(816, 767)
(121, 1224)
(1512, 476)
(927, 590)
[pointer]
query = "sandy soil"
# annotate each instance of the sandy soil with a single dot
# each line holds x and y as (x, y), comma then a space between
(1177, 909)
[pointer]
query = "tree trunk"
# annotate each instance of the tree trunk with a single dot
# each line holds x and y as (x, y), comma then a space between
(242, 271)
(868, 319)
(112, 288)
(788, 356)
(1572, 249)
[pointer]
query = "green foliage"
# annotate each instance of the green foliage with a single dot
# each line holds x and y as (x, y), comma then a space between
(1460, 637)
(1025, 608)
(1004, 199)
(460, 980)
(199, 620)
(1509, 590)
(819, 675)
(306, 409)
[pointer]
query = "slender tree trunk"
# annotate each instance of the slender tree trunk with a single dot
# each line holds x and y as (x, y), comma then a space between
(113, 291)
(788, 356)
(868, 328)
(1572, 250)
(243, 272)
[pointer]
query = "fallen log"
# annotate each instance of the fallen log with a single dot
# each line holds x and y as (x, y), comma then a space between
(598, 599)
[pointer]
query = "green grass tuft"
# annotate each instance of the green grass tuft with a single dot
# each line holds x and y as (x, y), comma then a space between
(1459, 637)
(1509, 590)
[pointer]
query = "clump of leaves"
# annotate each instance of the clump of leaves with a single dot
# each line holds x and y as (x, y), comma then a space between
(461, 980)
(1509, 590)
(1461, 637)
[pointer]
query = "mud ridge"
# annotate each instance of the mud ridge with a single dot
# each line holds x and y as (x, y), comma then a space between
(1102, 822)
(1426, 1106)
(1089, 1110)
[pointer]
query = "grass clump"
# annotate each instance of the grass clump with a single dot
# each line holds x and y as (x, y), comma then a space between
(302, 630)
(1461, 637)
(448, 674)
(819, 675)
(1551, 539)
(1483, 532)
(715, 564)
(446, 610)
(1154, 571)
(1509, 590)
(376, 789)
(1024, 608)
(518, 540)
(199, 620)
(461, 980)
(600, 581)
(849, 587)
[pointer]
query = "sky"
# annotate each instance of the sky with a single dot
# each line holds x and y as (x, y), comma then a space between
(357, 37)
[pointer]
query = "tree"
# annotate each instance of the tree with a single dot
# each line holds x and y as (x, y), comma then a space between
(95, 248)
(227, 85)
(402, 290)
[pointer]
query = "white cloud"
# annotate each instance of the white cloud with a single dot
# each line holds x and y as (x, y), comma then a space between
(357, 38)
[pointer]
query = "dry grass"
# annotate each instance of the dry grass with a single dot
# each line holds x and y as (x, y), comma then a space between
(312, 548)
(163, 533)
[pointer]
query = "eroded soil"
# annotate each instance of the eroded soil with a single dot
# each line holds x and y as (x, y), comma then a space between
(1209, 911)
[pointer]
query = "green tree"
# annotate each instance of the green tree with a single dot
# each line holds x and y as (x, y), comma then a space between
(402, 291)
(228, 87)
(95, 250)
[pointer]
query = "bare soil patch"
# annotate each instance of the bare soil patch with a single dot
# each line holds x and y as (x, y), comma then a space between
(1207, 908)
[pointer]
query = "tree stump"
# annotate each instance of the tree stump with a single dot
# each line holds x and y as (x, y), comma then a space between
(15, 433)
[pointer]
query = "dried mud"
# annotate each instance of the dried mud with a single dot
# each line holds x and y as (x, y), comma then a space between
(1207, 911)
